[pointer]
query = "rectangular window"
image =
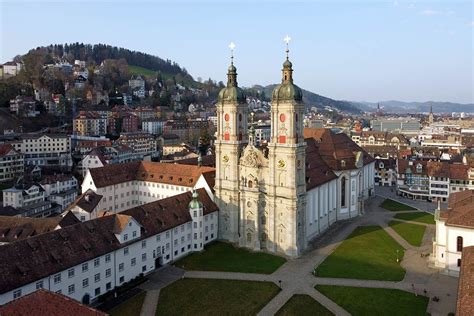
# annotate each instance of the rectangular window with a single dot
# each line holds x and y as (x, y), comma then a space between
(85, 282)
(39, 285)
(70, 273)
(158, 237)
(125, 237)
(57, 278)
(16, 293)
(108, 286)
(143, 268)
(134, 234)
(121, 279)
(144, 257)
(125, 251)
(133, 261)
(85, 267)
(97, 291)
(97, 277)
(96, 262)
(107, 258)
(121, 267)
(143, 244)
(71, 289)
(108, 273)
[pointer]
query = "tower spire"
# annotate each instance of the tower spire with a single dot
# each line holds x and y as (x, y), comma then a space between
(287, 40)
(287, 76)
(232, 71)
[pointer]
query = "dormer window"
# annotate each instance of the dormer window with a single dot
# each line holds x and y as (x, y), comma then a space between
(343, 163)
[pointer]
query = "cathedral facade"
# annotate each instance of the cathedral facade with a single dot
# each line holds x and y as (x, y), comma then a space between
(280, 198)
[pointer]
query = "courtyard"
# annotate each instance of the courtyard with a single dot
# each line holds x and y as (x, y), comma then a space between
(352, 269)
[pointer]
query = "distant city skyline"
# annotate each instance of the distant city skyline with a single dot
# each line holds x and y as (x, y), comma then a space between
(347, 50)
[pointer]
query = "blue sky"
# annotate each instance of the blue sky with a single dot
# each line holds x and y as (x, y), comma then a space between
(352, 50)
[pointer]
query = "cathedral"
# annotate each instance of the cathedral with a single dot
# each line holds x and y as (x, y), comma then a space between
(280, 198)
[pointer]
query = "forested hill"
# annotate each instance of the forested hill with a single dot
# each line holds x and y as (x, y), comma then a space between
(100, 52)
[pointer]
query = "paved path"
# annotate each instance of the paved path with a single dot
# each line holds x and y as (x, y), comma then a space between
(156, 281)
(296, 275)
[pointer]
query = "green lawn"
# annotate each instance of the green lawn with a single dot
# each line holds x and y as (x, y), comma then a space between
(215, 297)
(130, 307)
(301, 304)
(136, 70)
(395, 206)
(410, 232)
(420, 217)
(220, 256)
(368, 253)
(371, 301)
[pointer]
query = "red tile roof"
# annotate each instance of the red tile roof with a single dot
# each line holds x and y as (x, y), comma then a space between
(460, 210)
(25, 261)
(42, 302)
(16, 228)
(465, 300)
(5, 149)
(317, 171)
(335, 148)
(184, 175)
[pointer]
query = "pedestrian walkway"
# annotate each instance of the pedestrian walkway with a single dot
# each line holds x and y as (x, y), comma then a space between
(295, 276)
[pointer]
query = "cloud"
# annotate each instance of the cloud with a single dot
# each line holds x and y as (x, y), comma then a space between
(429, 12)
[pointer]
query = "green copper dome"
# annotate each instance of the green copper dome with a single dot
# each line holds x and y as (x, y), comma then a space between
(287, 90)
(195, 203)
(232, 93)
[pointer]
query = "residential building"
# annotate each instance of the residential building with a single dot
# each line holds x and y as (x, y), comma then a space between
(153, 126)
(454, 231)
(29, 200)
(189, 130)
(379, 138)
(137, 86)
(90, 123)
(11, 69)
(385, 172)
(11, 163)
(105, 155)
(122, 122)
(88, 259)
(142, 143)
(24, 106)
(60, 189)
(84, 147)
(144, 113)
(45, 150)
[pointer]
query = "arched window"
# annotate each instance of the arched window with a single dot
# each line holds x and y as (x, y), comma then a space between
(249, 237)
(264, 237)
(343, 192)
(459, 243)
(250, 184)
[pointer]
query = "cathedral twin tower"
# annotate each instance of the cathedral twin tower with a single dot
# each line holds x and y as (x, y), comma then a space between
(261, 198)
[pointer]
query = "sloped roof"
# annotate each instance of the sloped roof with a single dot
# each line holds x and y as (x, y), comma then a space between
(43, 302)
(334, 148)
(183, 175)
(30, 259)
(86, 201)
(460, 210)
(17, 228)
(317, 171)
(465, 300)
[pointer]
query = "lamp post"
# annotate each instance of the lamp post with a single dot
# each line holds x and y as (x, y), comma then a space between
(398, 260)
(279, 282)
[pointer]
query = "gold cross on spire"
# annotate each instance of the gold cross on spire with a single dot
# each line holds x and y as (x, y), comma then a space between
(232, 47)
(287, 40)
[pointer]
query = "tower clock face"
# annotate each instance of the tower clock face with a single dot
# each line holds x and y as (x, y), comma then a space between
(282, 118)
(281, 163)
(226, 117)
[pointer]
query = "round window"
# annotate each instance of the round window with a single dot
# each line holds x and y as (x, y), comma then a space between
(282, 118)
(226, 117)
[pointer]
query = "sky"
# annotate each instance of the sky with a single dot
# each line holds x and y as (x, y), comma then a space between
(346, 50)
